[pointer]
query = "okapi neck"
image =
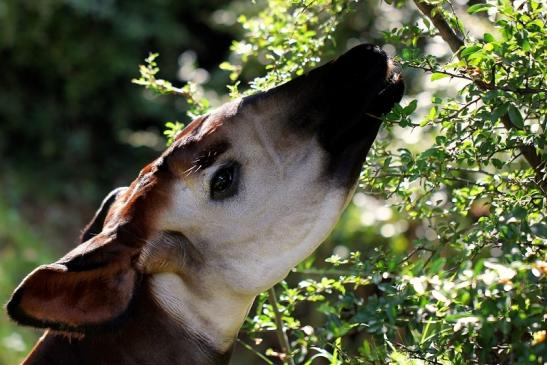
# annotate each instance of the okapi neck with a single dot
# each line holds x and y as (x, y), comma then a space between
(212, 312)
(149, 335)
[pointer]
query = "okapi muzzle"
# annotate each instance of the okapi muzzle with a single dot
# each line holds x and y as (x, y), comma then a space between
(342, 103)
(168, 268)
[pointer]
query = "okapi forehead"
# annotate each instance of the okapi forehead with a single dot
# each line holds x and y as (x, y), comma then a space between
(205, 125)
(134, 212)
(200, 143)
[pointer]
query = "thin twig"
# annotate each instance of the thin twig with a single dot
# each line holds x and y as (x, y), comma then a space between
(414, 251)
(432, 69)
(417, 355)
(455, 114)
(251, 349)
(281, 334)
(312, 271)
(479, 82)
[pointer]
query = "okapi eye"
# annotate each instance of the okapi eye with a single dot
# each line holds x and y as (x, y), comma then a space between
(224, 181)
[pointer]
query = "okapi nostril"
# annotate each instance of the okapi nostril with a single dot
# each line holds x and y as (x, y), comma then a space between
(390, 68)
(393, 72)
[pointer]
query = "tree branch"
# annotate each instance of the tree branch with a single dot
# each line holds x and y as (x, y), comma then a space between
(455, 43)
(482, 84)
(530, 154)
(445, 30)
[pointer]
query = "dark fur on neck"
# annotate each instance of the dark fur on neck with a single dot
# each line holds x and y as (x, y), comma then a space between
(147, 335)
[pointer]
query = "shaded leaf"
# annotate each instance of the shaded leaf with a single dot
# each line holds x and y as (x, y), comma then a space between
(515, 116)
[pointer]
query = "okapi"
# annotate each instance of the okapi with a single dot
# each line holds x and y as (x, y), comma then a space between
(169, 267)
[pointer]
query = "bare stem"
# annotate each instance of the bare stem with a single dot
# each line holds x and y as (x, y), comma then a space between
(251, 349)
(281, 334)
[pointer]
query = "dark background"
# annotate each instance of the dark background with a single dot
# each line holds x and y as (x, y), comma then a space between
(66, 97)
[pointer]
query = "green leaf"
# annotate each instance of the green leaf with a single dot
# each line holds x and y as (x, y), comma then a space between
(227, 66)
(411, 107)
(539, 229)
(525, 44)
(488, 38)
(430, 116)
(470, 50)
(337, 344)
(515, 117)
(497, 163)
(519, 212)
(478, 8)
(498, 112)
(437, 76)
(437, 265)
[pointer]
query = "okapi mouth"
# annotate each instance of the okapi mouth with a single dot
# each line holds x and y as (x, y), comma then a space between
(341, 103)
(350, 146)
(363, 85)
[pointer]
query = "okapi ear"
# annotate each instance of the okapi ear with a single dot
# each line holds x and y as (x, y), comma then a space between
(95, 226)
(88, 288)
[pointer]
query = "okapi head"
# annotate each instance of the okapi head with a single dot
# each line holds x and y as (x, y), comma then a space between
(242, 195)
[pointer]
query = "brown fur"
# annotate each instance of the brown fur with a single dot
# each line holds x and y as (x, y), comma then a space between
(101, 286)
(147, 336)
(94, 283)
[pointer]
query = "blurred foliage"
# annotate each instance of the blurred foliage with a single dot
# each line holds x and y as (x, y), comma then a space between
(20, 253)
(440, 259)
(65, 98)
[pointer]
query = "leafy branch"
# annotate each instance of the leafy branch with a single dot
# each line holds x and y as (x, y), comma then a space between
(197, 105)
(148, 79)
(457, 45)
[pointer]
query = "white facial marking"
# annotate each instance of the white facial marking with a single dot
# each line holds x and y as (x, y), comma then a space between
(216, 317)
(284, 208)
(266, 144)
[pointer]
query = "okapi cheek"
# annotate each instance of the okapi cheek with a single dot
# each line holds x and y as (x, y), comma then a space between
(169, 251)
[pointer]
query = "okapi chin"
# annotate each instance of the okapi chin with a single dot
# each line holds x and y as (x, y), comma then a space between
(168, 268)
